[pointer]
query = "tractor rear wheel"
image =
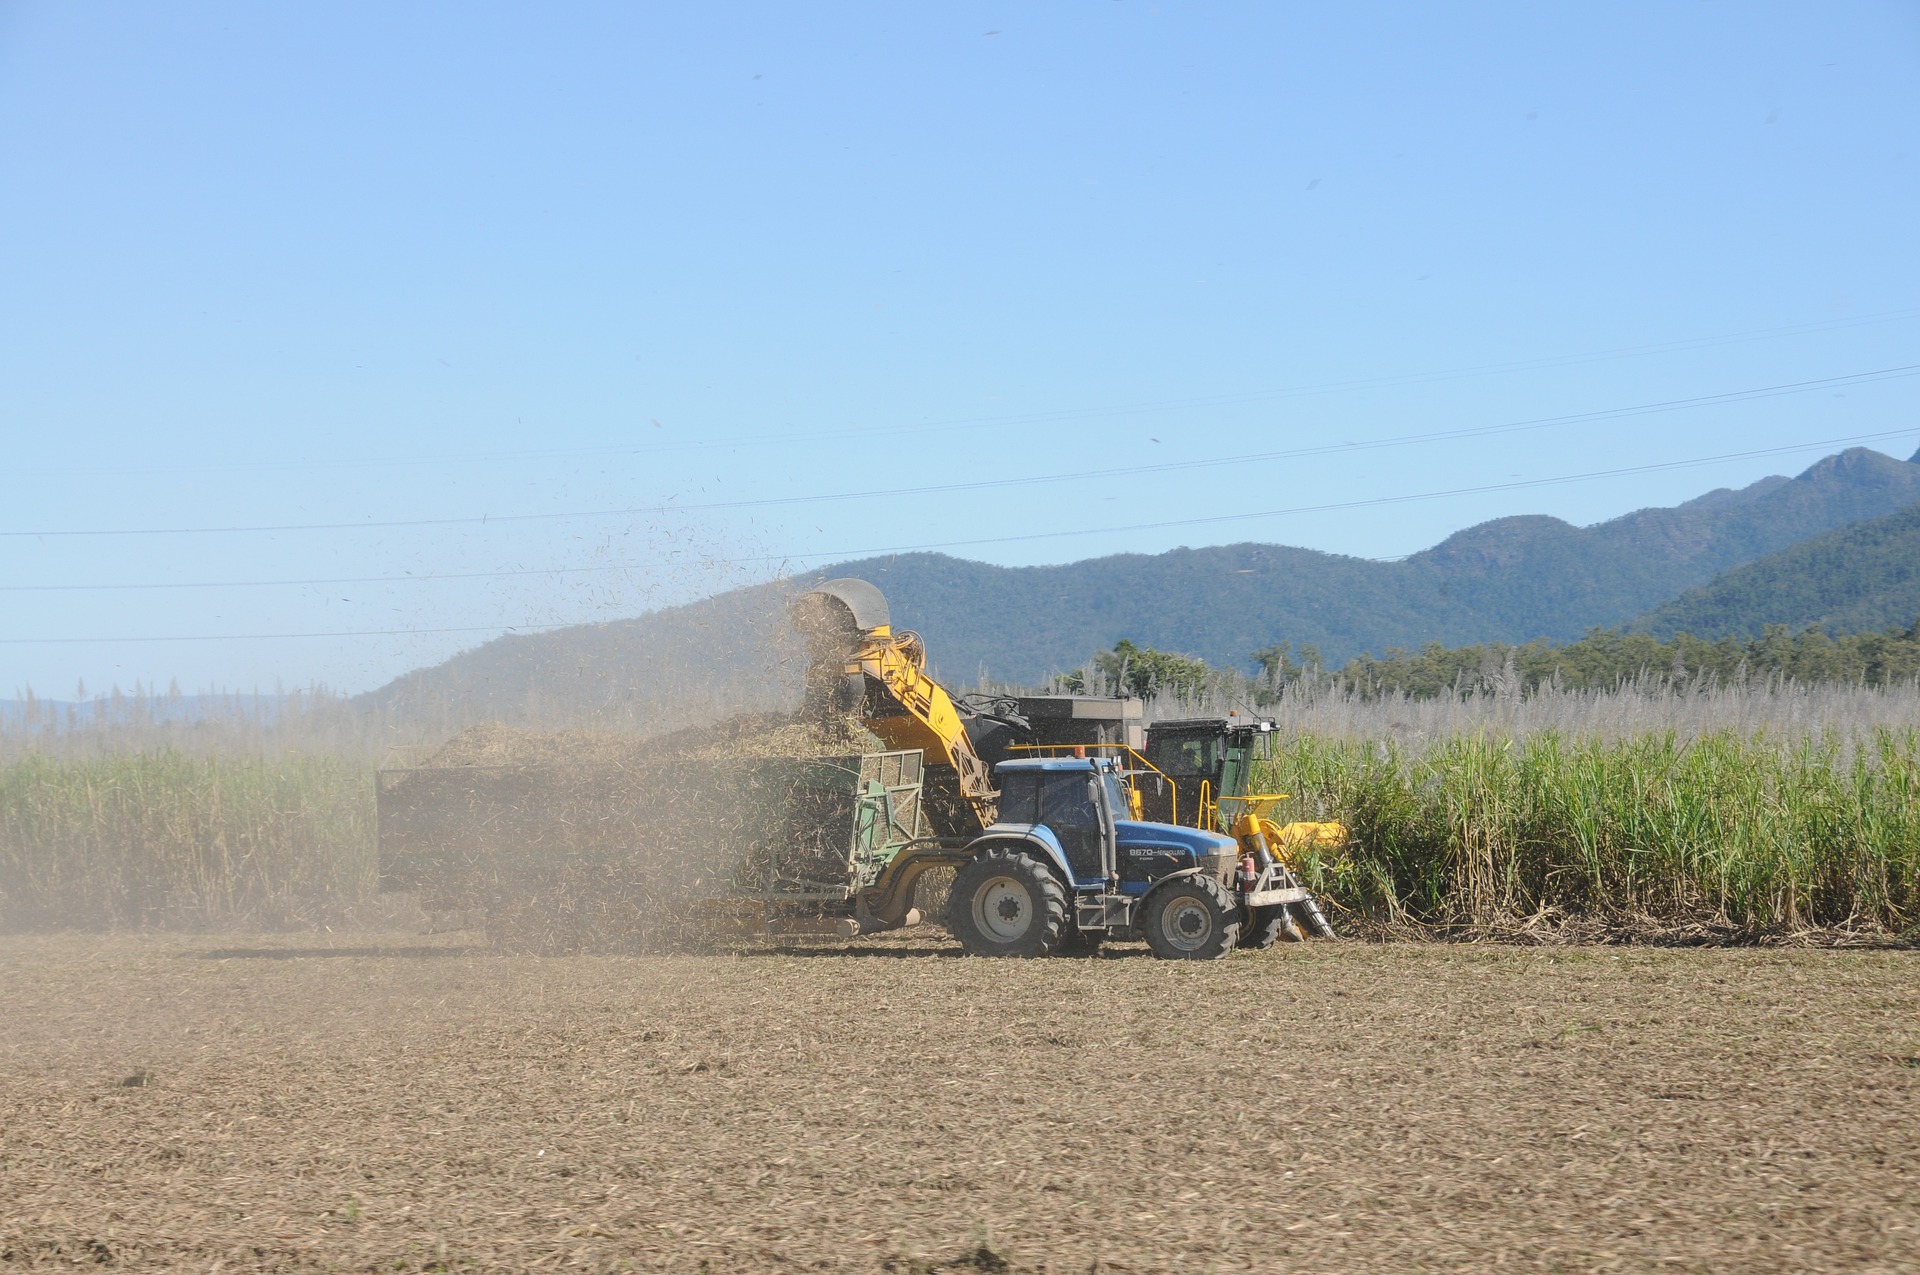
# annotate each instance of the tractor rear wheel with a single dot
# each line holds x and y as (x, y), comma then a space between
(1192, 919)
(1268, 925)
(1007, 903)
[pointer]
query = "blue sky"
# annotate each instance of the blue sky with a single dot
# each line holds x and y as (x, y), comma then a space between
(358, 264)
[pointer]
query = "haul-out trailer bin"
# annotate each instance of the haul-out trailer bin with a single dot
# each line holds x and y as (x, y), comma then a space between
(594, 854)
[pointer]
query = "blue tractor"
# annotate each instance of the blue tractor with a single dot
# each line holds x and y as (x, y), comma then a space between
(1065, 865)
(1049, 853)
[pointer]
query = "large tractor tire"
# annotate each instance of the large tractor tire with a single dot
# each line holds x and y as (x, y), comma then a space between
(1268, 926)
(1007, 903)
(1191, 919)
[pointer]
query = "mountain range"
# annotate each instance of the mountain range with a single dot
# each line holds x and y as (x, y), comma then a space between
(1511, 579)
(1862, 577)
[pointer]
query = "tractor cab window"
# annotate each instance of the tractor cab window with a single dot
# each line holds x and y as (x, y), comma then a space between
(1020, 797)
(1065, 801)
(1068, 806)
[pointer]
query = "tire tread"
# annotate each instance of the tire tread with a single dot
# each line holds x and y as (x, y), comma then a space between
(1050, 898)
(1228, 914)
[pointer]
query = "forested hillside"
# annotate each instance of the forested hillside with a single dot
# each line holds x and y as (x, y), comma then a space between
(1512, 580)
(1866, 576)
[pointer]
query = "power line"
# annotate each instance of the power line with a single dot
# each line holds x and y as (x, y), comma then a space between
(1370, 502)
(1337, 506)
(1641, 409)
(267, 637)
(662, 445)
(143, 585)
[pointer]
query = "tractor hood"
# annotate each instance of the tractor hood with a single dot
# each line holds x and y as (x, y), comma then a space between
(1196, 842)
(1150, 852)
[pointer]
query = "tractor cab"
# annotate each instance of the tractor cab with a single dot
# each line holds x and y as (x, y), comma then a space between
(1078, 808)
(1072, 802)
(1200, 762)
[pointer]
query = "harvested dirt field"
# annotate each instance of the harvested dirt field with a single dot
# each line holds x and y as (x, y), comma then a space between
(390, 1102)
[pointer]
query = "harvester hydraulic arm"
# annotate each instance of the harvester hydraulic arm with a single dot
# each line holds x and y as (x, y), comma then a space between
(931, 721)
(898, 701)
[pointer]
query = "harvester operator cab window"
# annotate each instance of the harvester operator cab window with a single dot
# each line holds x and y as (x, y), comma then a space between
(1196, 756)
(1188, 755)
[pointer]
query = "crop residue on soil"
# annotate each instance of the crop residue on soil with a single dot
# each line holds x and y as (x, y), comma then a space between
(363, 1102)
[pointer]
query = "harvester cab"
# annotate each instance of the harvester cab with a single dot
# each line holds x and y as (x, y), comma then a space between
(1203, 771)
(1204, 761)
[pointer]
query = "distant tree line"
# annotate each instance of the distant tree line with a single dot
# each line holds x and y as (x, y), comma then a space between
(1140, 670)
(1609, 657)
(1602, 659)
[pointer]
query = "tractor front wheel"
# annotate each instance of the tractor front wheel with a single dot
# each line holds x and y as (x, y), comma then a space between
(1006, 903)
(1193, 919)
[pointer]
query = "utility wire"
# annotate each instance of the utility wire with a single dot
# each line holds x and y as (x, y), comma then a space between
(503, 630)
(262, 584)
(1370, 502)
(1641, 409)
(654, 446)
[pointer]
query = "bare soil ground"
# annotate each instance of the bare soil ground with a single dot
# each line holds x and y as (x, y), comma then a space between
(361, 1102)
